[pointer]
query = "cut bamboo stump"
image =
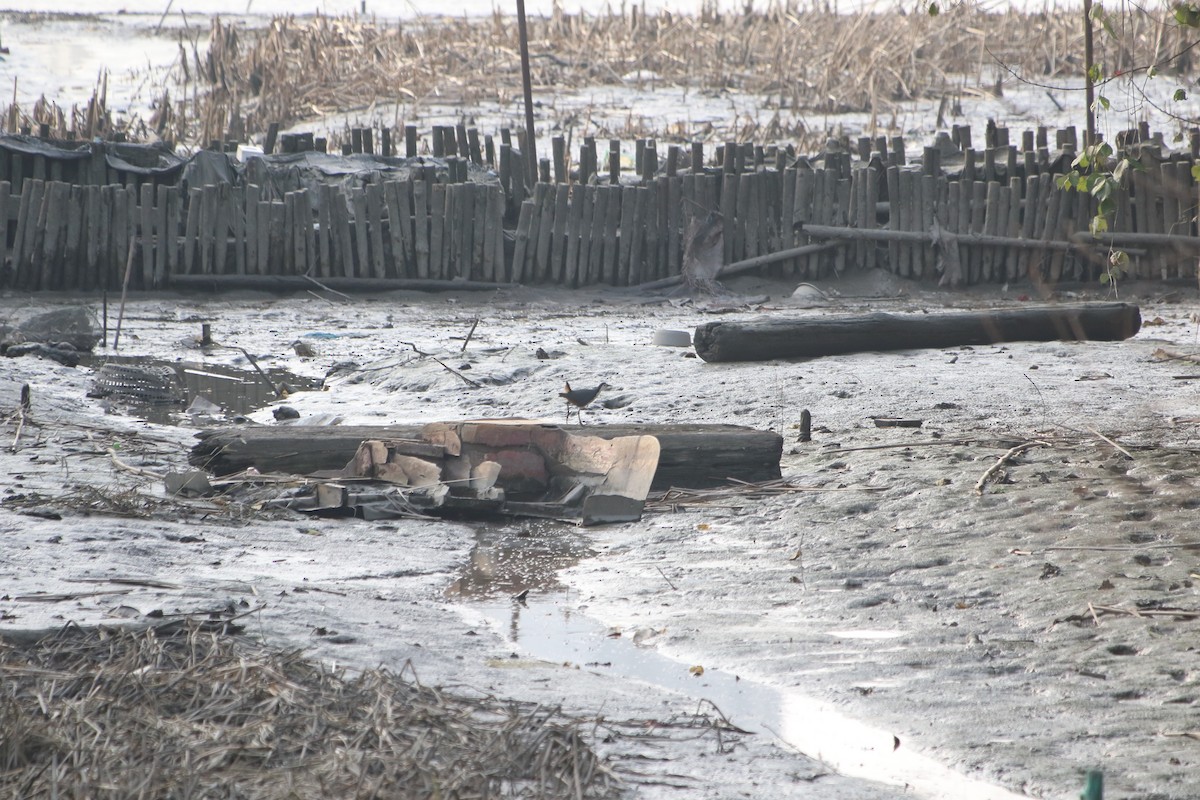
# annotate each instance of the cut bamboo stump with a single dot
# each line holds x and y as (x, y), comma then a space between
(691, 456)
(813, 337)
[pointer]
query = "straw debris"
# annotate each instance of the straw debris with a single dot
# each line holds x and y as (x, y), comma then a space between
(185, 712)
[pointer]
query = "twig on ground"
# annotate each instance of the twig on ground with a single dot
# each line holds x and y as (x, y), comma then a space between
(470, 333)
(145, 473)
(445, 366)
(345, 297)
(1115, 446)
(668, 580)
(1004, 459)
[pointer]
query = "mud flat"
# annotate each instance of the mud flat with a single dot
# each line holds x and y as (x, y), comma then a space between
(1017, 634)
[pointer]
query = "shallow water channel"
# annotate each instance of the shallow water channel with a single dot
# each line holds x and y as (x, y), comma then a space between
(522, 561)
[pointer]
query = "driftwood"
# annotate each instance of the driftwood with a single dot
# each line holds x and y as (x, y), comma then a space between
(691, 456)
(809, 337)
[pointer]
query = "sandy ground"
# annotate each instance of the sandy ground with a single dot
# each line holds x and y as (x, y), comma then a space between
(1017, 638)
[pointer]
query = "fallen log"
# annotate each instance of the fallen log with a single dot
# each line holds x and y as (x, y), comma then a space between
(691, 456)
(810, 337)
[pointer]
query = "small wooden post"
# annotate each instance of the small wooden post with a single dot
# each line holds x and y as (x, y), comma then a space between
(147, 225)
(221, 195)
(558, 243)
(473, 151)
(437, 231)
(595, 264)
(374, 201)
(545, 198)
(521, 242)
(262, 225)
(165, 240)
(559, 150)
(612, 222)
(894, 205)
(272, 135)
(421, 227)
(625, 237)
(462, 144)
(570, 276)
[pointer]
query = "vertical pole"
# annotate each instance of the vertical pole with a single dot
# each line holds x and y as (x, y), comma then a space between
(1089, 85)
(531, 162)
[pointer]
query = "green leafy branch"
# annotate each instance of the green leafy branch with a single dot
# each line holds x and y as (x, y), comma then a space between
(1093, 173)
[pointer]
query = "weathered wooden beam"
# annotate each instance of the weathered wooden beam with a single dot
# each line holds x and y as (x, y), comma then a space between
(749, 264)
(886, 235)
(1125, 239)
(691, 456)
(810, 337)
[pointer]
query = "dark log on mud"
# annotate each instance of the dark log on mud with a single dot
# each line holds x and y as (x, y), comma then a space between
(810, 337)
(691, 456)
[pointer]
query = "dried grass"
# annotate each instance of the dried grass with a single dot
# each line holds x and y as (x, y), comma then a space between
(110, 713)
(798, 59)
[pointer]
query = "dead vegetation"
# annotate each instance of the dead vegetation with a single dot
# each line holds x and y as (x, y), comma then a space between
(184, 711)
(798, 60)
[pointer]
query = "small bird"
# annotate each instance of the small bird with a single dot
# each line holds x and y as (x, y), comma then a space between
(580, 398)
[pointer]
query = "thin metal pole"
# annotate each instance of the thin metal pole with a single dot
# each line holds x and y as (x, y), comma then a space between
(1089, 85)
(531, 162)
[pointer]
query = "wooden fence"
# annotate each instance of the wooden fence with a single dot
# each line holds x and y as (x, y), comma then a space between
(80, 237)
(1000, 216)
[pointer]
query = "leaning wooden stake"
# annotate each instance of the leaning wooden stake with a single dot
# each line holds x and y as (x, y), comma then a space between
(124, 292)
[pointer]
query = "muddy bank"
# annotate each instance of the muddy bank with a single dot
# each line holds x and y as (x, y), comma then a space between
(885, 587)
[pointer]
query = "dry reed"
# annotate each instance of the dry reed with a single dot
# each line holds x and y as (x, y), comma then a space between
(184, 712)
(797, 59)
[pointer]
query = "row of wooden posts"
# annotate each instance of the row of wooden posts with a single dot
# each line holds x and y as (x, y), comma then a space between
(1002, 217)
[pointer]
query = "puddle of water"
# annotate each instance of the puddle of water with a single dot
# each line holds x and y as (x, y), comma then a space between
(548, 624)
(163, 400)
(865, 634)
(525, 555)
